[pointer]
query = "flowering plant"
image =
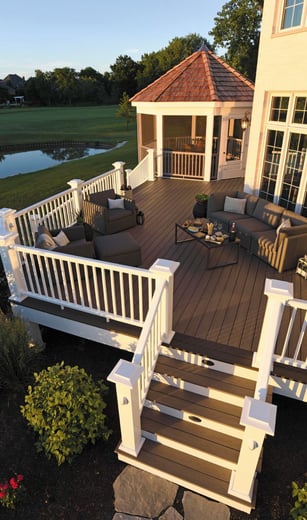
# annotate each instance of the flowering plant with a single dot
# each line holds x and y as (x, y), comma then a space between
(11, 492)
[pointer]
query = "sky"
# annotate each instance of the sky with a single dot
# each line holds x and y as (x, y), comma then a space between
(44, 35)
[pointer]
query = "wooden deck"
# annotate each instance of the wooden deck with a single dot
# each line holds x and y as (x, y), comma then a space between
(224, 305)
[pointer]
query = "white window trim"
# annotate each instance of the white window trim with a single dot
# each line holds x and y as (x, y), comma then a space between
(278, 30)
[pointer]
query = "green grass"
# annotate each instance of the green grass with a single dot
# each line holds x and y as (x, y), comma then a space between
(31, 125)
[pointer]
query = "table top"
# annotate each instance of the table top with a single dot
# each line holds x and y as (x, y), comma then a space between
(197, 229)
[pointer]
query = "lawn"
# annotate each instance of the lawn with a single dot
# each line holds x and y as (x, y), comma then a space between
(30, 125)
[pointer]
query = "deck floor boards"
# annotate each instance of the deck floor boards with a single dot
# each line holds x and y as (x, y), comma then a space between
(224, 305)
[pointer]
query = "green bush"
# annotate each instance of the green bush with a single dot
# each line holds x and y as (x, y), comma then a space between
(66, 408)
(299, 511)
(19, 358)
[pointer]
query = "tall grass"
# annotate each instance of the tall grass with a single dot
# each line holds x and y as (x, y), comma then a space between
(30, 125)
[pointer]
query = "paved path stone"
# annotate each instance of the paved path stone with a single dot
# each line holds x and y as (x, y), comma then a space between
(140, 493)
(196, 507)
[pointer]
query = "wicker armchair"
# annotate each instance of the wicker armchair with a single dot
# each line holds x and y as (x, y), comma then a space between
(107, 217)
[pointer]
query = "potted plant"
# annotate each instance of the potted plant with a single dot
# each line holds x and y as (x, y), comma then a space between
(200, 208)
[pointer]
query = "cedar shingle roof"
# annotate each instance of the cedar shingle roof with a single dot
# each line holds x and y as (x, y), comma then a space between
(203, 76)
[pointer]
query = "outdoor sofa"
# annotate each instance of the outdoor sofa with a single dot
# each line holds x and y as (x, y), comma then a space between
(274, 234)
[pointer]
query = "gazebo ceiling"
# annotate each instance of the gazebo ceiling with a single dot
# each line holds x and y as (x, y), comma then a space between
(201, 77)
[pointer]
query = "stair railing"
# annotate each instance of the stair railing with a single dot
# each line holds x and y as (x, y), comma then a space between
(259, 416)
(133, 378)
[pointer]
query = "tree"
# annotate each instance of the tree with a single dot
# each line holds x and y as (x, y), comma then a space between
(237, 29)
(123, 75)
(124, 108)
(154, 64)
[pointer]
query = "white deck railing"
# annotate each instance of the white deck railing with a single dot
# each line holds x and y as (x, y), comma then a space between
(112, 291)
(184, 164)
(61, 210)
(133, 379)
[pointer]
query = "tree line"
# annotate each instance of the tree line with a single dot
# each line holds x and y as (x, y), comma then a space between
(236, 32)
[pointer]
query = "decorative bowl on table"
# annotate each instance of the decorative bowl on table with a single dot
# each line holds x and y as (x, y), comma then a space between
(193, 229)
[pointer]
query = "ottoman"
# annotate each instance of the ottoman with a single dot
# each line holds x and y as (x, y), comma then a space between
(120, 248)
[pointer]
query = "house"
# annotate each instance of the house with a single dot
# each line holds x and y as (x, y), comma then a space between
(192, 118)
(276, 164)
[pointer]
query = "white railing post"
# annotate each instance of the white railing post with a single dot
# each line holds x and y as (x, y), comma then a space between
(126, 377)
(278, 294)
(259, 419)
(9, 257)
(166, 269)
(120, 165)
(151, 165)
(76, 185)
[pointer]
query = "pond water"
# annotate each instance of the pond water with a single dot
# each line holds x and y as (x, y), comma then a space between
(34, 160)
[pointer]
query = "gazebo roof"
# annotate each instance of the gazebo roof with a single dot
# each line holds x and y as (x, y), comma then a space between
(201, 77)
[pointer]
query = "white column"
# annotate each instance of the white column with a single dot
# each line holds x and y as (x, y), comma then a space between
(278, 293)
(167, 269)
(120, 165)
(126, 377)
(76, 185)
(208, 147)
(159, 119)
(259, 419)
(151, 159)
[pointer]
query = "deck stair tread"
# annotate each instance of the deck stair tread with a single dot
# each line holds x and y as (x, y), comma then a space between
(195, 404)
(212, 349)
(204, 376)
(190, 435)
(204, 477)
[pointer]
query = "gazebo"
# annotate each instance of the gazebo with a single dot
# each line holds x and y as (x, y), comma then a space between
(196, 119)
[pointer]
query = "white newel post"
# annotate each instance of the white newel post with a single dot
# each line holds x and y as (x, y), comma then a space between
(120, 166)
(151, 169)
(11, 266)
(76, 185)
(259, 419)
(167, 269)
(278, 293)
(126, 376)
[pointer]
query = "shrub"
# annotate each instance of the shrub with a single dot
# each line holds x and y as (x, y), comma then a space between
(66, 408)
(19, 358)
(299, 511)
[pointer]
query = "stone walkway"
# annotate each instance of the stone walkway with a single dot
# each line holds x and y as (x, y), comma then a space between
(142, 496)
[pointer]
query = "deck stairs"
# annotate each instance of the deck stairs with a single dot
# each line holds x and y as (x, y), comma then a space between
(191, 424)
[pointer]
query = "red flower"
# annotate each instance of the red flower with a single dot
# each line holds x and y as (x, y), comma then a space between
(5, 486)
(2, 494)
(13, 483)
(19, 478)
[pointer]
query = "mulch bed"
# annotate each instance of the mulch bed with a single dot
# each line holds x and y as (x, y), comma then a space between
(83, 489)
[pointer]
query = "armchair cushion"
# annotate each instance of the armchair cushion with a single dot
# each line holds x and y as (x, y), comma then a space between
(101, 197)
(61, 239)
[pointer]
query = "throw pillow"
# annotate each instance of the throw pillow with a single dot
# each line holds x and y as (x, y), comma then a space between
(45, 241)
(61, 239)
(116, 203)
(234, 205)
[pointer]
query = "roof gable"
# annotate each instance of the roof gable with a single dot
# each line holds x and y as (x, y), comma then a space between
(203, 76)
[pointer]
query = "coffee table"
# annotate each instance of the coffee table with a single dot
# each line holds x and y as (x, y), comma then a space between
(230, 249)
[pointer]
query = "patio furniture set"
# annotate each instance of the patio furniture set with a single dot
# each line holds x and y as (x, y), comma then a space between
(103, 233)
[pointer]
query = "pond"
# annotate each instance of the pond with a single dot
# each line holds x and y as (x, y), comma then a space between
(34, 160)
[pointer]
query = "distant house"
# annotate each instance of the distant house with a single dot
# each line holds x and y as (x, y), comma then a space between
(12, 85)
(192, 117)
(276, 164)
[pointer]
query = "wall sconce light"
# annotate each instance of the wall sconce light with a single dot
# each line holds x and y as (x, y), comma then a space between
(245, 121)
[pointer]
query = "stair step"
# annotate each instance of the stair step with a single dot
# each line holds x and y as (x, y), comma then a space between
(215, 447)
(190, 472)
(219, 385)
(194, 407)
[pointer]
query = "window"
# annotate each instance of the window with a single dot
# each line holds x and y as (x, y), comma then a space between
(300, 111)
(292, 14)
(234, 141)
(271, 164)
(293, 170)
(279, 108)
